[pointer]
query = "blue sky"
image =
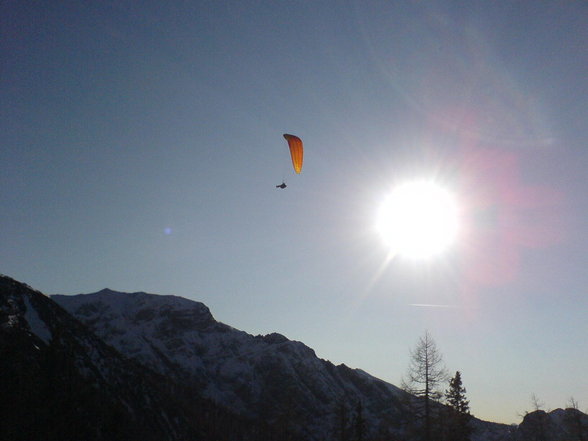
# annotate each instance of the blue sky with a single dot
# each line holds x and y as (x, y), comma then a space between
(141, 143)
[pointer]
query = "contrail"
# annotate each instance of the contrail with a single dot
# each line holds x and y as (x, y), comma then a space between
(432, 305)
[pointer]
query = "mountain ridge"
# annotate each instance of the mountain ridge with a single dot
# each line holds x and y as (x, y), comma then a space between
(61, 375)
(237, 369)
(112, 365)
(68, 384)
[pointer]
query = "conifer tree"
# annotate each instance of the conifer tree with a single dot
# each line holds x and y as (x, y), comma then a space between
(459, 410)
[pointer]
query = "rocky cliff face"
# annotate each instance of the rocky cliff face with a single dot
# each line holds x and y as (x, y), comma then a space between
(268, 377)
(60, 381)
(109, 366)
(557, 425)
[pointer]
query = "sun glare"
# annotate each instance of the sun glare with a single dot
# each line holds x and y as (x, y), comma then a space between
(418, 220)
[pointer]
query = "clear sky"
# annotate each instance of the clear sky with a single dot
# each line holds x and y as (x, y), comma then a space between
(141, 142)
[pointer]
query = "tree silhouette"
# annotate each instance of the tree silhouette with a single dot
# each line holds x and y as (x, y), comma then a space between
(425, 373)
(458, 421)
(575, 421)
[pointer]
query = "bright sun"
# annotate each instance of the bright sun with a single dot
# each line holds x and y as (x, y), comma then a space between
(418, 219)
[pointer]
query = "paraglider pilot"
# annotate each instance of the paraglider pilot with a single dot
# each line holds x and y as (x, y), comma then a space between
(282, 185)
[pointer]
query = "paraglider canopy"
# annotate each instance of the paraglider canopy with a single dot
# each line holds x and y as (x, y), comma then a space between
(296, 151)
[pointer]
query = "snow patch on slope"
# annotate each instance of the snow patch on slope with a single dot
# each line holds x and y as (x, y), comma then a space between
(36, 324)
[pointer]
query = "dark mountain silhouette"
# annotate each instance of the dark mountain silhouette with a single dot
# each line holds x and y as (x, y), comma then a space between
(59, 381)
(557, 425)
(269, 378)
(110, 366)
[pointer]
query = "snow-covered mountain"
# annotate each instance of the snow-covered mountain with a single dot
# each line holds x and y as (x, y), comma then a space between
(269, 377)
(266, 377)
(59, 381)
(110, 366)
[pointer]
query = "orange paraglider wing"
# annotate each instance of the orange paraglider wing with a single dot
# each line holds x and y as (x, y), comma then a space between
(296, 151)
